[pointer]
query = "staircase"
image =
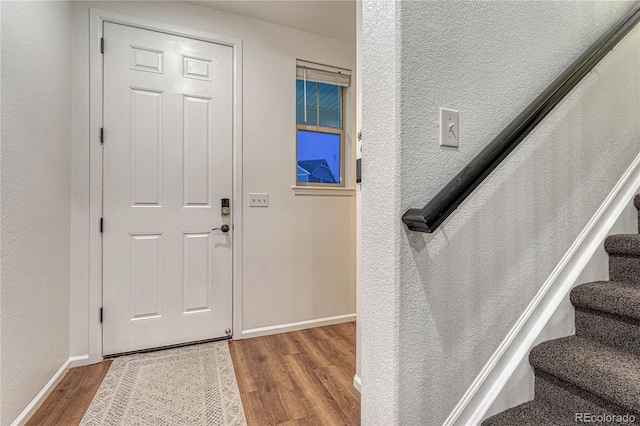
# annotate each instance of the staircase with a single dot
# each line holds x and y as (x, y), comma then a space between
(597, 371)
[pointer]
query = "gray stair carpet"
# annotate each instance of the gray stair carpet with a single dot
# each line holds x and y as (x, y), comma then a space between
(534, 413)
(594, 376)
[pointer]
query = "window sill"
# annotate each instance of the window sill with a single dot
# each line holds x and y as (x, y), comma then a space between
(319, 190)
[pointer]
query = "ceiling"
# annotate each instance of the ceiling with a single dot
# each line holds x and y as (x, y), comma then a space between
(331, 18)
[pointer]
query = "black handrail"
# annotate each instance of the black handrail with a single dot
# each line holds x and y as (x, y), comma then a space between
(428, 218)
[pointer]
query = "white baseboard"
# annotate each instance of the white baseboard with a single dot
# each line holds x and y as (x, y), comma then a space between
(79, 361)
(42, 395)
(357, 383)
(475, 403)
(293, 326)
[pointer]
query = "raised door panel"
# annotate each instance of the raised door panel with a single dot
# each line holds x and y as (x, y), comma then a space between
(145, 282)
(146, 148)
(197, 151)
(197, 273)
(146, 59)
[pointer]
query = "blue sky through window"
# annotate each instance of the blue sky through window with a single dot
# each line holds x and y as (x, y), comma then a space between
(318, 157)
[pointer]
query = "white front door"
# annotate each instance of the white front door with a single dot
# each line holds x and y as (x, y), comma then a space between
(167, 166)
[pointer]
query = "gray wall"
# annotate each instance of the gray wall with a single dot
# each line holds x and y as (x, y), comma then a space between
(450, 298)
(35, 164)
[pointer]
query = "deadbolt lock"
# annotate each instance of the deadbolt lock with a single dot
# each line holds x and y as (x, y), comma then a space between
(225, 207)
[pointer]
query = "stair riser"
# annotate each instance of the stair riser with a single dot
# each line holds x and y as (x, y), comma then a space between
(636, 203)
(611, 330)
(624, 268)
(532, 414)
(572, 398)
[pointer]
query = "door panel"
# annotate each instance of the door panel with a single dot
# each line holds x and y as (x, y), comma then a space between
(197, 164)
(167, 277)
(146, 277)
(197, 273)
(146, 148)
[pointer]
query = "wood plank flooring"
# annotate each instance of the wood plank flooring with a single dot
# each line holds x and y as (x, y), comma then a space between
(69, 400)
(298, 378)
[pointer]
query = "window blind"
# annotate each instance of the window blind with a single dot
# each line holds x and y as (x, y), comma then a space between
(318, 73)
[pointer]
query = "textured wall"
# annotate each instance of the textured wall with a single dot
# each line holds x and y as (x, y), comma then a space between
(462, 288)
(35, 215)
(288, 246)
(379, 293)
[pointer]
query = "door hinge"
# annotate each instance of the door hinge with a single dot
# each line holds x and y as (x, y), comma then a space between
(101, 224)
(101, 135)
(101, 44)
(100, 315)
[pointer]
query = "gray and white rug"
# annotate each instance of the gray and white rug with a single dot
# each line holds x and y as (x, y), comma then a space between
(192, 385)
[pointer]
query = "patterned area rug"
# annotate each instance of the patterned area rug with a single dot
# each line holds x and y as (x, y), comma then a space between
(193, 385)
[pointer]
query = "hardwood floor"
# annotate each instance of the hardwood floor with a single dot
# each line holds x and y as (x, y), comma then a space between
(298, 378)
(68, 401)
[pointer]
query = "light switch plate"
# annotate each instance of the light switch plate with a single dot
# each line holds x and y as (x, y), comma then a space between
(258, 200)
(449, 126)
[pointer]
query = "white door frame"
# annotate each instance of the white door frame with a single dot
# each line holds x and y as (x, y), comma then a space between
(97, 18)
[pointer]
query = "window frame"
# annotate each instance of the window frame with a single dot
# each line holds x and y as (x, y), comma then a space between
(330, 130)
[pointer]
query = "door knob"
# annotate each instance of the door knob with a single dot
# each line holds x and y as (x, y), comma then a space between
(223, 228)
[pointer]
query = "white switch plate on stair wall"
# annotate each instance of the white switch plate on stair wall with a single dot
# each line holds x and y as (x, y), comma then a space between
(449, 124)
(258, 200)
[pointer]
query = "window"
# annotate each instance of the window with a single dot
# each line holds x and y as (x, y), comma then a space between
(320, 124)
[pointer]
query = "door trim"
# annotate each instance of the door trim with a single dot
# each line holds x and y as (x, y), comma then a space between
(97, 18)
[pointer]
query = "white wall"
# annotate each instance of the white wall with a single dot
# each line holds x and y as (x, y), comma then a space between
(456, 293)
(35, 186)
(378, 297)
(299, 254)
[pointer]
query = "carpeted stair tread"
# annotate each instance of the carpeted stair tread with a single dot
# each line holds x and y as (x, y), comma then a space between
(533, 413)
(623, 245)
(618, 298)
(608, 373)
